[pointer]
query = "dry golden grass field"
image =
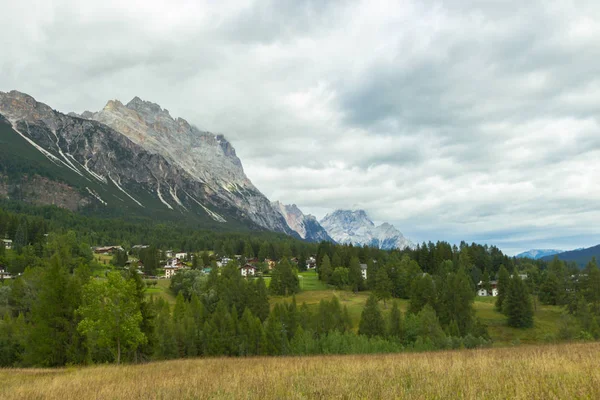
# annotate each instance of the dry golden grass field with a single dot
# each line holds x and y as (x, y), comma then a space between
(568, 371)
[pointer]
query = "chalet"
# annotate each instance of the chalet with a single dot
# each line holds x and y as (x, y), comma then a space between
(363, 271)
(181, 256)
(169, 253)
(107, 249)
(223, 262)
(137, 263)
(481, 291)
(270, 263)
(173, 266)
(4, 274)
(7, 244)
(311, 263)
(248, 270)
(253, 260)
(139, 247)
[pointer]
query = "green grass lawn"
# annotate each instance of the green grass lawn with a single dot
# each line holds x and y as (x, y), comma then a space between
(545, 321)
(545, 327)
(161, 290)
(309, 280)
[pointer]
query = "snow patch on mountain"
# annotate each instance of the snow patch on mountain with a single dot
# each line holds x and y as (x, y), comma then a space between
(355, 227)
(536, 254)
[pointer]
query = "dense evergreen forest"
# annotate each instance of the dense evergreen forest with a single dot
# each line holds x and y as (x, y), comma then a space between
(62, 306)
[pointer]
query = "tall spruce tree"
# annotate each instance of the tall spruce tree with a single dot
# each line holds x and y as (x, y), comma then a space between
(355, 275)
(396, 323)
(502, 286)
(383, 285)
(324, 269)
(517, 304)
(371, 321)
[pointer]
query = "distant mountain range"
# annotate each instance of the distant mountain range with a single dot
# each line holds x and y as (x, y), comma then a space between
(355, 227)
(536, 254)
(135, 159)
(580, 256)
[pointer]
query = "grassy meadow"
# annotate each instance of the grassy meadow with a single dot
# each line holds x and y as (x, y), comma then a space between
(547, 318)
(567, 371)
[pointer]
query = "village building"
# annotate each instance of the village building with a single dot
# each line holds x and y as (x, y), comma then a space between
(107, 249)
(7, 244)
(224, 261)
(181, 256)
(248, 270)
(311, 263)
(363, 271)
(173, 266)
(169, 253)
(4, 274)
(270, 263)
(483, 292)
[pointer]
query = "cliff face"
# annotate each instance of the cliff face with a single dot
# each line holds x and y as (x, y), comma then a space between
(306, 226)
(43, 191)
(207, 158)
(135, 168)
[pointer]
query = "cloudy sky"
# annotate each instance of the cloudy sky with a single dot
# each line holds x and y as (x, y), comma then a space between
(475, 120)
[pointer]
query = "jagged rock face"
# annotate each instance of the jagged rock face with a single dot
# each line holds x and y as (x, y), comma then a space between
(106, 162)
(306, 226)
(208, 158)
(355, 227)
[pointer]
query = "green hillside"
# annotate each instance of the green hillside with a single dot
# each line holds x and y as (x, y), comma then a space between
(19, 161)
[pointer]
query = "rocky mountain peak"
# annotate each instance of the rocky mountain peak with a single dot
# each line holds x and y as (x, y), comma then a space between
(148, 110)
(306, 226)
(355, 227)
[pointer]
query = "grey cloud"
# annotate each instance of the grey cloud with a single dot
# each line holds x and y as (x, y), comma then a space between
(453, 120)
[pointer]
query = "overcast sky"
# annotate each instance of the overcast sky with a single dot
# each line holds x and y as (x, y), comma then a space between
(474, 120)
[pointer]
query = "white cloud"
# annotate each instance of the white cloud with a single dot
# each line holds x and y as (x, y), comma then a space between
(453, 120)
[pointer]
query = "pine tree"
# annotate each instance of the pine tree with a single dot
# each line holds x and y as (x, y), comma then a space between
(456, 302)
(259, 303)
(325, 270)
(396, 325)
(423, 292)
(517, 304)
(355, 275)
(383, 285)
(430, 328)
(52, 327)
(144, 350)
(336, 261)
(371, 322)
(592, 285)
(503, 283)
(485, 282)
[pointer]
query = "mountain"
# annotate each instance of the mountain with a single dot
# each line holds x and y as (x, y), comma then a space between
(536, 254)
(134, 159)
(355, 227)
(306, 226)
(580, 256)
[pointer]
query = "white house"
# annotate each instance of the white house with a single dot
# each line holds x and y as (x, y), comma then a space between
(181, 256)
(7, 244)
(169, 253)
(224, 261)
(481, 291)
(4, 274)
(173, 266)
(363, 271)
(248, 270)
